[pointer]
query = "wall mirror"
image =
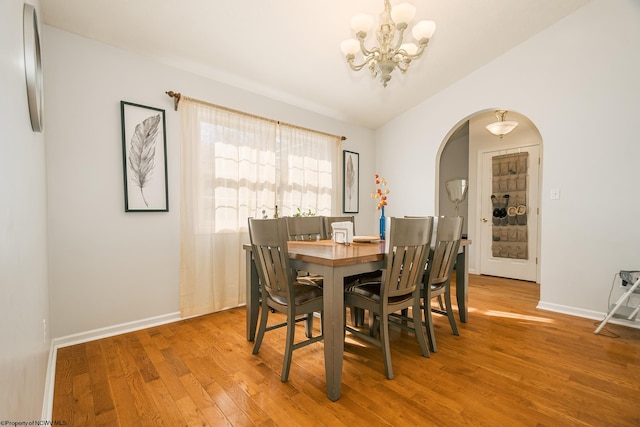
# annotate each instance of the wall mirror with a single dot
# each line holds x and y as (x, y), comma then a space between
(33, 65)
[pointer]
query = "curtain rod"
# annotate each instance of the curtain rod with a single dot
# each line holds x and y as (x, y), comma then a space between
(178, 96)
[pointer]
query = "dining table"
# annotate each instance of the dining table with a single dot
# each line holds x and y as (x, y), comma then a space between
(334, 262)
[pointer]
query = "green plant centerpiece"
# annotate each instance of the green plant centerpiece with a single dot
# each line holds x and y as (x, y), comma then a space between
(304, 213)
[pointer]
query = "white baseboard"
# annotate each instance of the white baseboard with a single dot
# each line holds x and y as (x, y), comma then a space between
(109, 331)
(587, 314)
(49, 383)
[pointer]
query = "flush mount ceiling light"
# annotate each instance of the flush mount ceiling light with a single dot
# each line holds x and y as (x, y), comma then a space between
(391, 52)
(502, 126)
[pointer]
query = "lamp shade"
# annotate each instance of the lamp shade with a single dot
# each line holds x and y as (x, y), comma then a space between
(403, 13)
(423, 30)
(410, 48)
(350, 47)
(501, 128)
(361, 23)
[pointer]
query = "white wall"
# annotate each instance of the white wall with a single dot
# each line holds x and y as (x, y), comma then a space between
(24, 289)
(454, 163)
(109, 267)
(578, 83)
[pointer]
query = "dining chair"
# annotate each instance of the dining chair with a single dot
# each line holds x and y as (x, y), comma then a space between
(437, 278)
(280, 290)
(399, 289)
(328, 220)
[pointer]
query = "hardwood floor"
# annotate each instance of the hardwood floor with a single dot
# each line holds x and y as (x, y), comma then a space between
(512, 365)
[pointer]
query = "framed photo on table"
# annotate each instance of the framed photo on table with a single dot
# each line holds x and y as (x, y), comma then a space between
(144, 157)
(350, 181)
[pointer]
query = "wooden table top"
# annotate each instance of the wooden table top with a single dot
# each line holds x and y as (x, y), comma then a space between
(325, 252)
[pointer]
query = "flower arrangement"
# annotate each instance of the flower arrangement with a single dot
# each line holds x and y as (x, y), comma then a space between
(381, 191)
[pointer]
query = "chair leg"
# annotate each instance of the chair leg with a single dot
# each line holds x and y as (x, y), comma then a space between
(374, 324)
(261, 328)
(429, 325)
(308, 326)
(357, 316)
(288, 349)
(452, 319)
(386, 346)
(419, 330)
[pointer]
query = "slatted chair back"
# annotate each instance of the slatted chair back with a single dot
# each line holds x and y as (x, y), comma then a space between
(270, 251)
(409, 244)
(305, 227)
(445, 250)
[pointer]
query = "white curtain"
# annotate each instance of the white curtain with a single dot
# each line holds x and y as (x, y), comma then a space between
(233, 166)
(228, 174)
(308, 175)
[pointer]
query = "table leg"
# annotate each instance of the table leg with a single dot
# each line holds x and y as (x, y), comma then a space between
(253, 296)
(333, 330)
(462, 283)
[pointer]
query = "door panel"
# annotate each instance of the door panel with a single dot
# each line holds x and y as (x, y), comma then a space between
(522, 269)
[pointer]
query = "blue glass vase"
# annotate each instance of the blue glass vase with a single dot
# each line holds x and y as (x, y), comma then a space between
(383, 224)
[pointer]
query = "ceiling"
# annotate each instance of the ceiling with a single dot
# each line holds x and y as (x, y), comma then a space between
(289, 50)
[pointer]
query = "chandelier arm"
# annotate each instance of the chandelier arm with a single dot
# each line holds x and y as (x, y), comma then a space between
(367, 61)
(421, 47)
(366, 52)
(400, 28)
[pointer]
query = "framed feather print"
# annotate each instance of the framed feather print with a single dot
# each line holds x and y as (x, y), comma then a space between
(144, 158)
(350, 181)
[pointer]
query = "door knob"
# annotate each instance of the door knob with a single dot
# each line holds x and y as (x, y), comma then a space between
(484, 220)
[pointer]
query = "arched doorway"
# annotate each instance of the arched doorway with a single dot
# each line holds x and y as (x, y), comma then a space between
(464, 153)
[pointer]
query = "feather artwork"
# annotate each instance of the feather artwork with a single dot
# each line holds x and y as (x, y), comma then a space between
(350, 178)
(142, 152)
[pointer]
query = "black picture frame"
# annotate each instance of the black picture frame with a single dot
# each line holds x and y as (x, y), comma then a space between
(144, 158)
(350, 182)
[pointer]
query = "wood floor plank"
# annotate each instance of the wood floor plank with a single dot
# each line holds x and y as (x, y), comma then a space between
(102, 401)
(84, 413)
(513, 364)
(164, 401)
(146, 410)
(63, 390)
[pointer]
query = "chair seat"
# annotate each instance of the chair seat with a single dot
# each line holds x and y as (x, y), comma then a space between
(303, 293)
(371, 291)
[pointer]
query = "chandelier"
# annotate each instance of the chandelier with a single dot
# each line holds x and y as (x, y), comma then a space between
(391, 52)
(502, 126)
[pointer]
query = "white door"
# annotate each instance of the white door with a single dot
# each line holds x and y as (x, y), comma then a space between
(502, 264)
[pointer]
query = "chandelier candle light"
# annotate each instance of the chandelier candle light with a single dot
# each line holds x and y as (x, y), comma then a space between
(381, 195)
(391, 52)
